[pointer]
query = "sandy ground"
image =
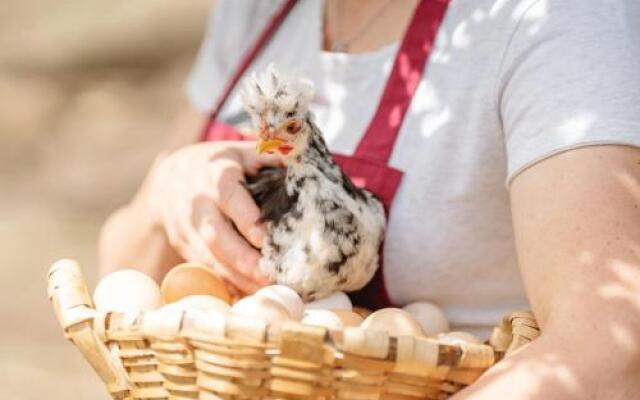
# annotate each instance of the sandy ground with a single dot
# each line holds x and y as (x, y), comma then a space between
(87, 88)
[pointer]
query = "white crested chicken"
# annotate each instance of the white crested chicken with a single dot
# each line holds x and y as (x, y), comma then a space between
(323, 233)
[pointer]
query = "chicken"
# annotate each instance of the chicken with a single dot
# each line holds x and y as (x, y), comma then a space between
(323, 233)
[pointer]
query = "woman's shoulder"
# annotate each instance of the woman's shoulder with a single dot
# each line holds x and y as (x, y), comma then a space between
(232, 27)
(235, 24)
(247, 14)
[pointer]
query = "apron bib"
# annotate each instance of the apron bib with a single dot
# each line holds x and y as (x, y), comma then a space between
(368, 167)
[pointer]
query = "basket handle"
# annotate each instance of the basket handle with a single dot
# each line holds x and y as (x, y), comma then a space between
(69, 294)
(515, 330)
(74, 309)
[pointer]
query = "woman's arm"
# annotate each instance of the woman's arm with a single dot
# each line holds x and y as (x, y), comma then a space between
(576, 217)
(193, 207)
(131, 237)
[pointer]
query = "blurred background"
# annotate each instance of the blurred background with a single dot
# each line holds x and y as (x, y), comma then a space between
(87, 90)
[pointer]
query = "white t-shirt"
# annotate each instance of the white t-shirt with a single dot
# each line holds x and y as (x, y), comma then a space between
(509, 83)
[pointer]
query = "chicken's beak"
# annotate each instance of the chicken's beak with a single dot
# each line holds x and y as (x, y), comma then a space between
(268, 145)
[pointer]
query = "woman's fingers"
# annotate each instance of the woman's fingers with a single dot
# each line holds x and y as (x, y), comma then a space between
(227, 245)
(206, 210)
(199, 252)
(235, 201)
(239, 206)
(188, 229)
(199, 247)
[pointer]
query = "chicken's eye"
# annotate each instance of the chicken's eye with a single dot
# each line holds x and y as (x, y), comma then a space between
(293, 127)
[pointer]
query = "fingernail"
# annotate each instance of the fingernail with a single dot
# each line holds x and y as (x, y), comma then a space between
(256, 235)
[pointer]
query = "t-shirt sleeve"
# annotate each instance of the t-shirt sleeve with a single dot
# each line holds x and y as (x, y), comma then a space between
(232, 29)
(570, 77)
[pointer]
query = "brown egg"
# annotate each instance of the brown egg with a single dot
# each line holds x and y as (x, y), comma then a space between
(458, 337)
(349, 318)
(262, 308)
(394, 321)
(190, 279)
(127, 290)
(361, 311)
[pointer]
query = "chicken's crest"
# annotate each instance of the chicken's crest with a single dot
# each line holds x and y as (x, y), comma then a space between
(276, 93)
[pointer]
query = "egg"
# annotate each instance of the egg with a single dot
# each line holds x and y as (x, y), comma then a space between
(261, 308)
(127, 290)
(394, 321)
(286, 297)
(361, 311)
(458, 337)
(191, 279)
(348, 318)
(331, 319)
(323, 318)
(335, 301)
(430, 317)
(199, 302)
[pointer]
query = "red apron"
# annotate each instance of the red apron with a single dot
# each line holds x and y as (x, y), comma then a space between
(369, 166)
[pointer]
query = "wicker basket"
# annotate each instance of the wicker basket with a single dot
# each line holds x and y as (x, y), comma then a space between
(168, 354)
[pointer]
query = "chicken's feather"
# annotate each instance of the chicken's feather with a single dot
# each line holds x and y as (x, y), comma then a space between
(269, 192)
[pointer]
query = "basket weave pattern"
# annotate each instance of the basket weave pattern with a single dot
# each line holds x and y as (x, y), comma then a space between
(170, 354)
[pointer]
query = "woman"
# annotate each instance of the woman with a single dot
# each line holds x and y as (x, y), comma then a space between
(540, 96)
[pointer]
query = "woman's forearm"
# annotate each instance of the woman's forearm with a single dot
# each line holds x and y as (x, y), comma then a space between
(576, 226)
(559, 367)
(130, 239)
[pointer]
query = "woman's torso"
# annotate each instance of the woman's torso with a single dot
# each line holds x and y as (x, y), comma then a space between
(449, 239)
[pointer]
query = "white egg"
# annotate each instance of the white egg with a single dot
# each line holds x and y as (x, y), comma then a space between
(458, 337)
(430, 317)
(323, 318)
(287, 297)
(331, 319)
(335, 301)
(261, 308)
(394, 321)
(127, 290)
(199, 302)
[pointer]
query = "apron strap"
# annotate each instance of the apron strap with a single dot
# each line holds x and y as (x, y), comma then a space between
(247, 59)
(408, 68)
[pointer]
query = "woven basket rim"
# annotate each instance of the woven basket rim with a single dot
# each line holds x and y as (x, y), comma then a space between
(114, 341)
(187, 328)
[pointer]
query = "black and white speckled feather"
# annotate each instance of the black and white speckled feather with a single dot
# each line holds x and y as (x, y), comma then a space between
(323, 232)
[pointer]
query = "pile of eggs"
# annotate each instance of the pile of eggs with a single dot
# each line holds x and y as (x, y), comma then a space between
(195, 287)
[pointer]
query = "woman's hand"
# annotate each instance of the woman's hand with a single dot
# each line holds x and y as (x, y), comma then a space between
(197, 196)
